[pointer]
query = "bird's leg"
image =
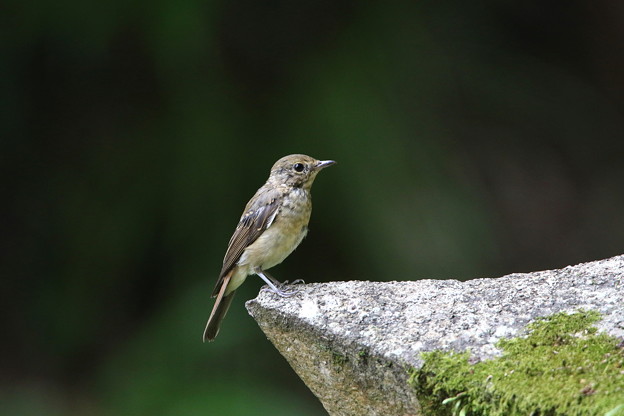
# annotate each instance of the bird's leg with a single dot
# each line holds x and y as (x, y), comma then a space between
(274, 283)
(264, 275)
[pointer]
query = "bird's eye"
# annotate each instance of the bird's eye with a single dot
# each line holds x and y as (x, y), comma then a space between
(298, 167)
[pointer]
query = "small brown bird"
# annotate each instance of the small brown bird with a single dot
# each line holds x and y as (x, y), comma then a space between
(273, 224)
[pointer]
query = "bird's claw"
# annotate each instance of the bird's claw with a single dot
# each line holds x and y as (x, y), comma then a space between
(282, 290)
(295, 282)
(285, 293)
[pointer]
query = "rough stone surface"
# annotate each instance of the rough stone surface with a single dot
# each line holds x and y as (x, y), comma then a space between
(352, 342)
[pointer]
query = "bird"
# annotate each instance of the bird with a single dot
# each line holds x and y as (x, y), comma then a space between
(273, 224)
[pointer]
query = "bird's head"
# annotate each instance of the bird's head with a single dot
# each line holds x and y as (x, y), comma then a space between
(297, 171)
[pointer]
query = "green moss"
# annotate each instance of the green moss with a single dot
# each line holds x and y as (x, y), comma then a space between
(339, 360)
(363, 356)
(562, 367)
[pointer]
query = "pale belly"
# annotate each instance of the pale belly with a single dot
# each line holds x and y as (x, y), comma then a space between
(273, 246)
(270, 249)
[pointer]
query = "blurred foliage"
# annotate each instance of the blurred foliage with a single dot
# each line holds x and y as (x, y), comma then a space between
(472, 139)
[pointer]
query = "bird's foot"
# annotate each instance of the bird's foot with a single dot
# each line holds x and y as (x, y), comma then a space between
(282, 290)
(295, 282)
(275, 286)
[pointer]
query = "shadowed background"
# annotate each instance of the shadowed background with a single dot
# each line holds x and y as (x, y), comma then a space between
(473, 140)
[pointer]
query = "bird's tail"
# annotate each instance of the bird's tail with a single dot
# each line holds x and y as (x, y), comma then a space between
(219, 310)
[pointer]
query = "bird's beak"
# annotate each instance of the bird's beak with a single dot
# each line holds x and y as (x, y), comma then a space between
(324, 163)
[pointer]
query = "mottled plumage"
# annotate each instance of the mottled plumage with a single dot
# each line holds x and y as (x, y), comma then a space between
(273, 224)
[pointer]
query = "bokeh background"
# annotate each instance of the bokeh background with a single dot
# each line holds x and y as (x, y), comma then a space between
(473, 140)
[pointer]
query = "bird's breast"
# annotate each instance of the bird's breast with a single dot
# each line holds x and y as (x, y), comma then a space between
(285, 233)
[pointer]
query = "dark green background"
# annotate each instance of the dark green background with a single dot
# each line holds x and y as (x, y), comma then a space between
(473, 140)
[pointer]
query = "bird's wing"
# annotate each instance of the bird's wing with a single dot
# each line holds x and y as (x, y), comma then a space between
(259, 214)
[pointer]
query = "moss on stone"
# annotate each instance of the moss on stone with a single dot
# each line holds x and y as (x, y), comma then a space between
(564, 366)
(339, 360)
